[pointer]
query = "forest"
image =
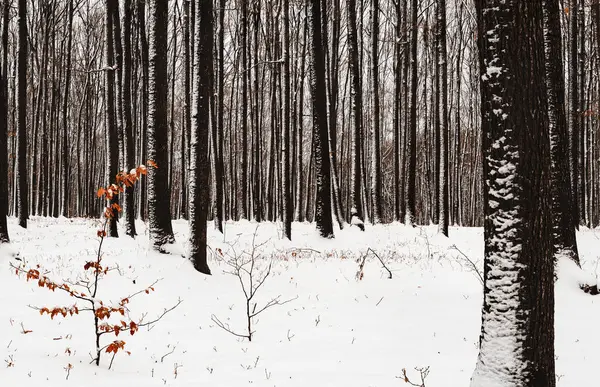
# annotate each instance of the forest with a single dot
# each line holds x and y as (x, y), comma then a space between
(174, 121)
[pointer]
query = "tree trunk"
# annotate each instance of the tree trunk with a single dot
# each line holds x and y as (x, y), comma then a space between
(442, 64)
(243, 188)
(187, 115)
(112, 144)
(518, 309)
(285, 138)
(4, 133)
(220, 126)
(159, 194)
(565, 242)
(143, 41)
(411, 135)
(574, 108)
(65, 132)
(200, 164)
(356, 212)
(323, 215)
(129, 155)
(376, 151)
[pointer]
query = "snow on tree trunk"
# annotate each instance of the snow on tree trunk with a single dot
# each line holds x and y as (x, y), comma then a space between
(376, 151)
(574, 107)
(443, 214)
(411, 136)
(565, 243)
(3, 157)
(517, 334)
(112, 145)
(159, 195)
(129, 151)
(285, 137)
(323, 215)
(200, 164)
(356, 213)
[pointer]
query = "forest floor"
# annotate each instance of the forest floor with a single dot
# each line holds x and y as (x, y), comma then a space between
(337, 330)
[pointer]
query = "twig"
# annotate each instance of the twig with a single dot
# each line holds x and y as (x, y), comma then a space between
(167, 354)
(382, 263)
(473, 266)
(162, 315)
(360, 272)
(225, 327)
(423, 373)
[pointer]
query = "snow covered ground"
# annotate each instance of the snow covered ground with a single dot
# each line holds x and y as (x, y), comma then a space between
(337, 331)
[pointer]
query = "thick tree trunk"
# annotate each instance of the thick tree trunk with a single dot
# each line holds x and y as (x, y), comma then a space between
(323, 214)
(200, 164)
(159, 194)
(518, 309)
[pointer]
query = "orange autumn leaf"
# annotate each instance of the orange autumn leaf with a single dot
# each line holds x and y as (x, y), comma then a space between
(152, 164)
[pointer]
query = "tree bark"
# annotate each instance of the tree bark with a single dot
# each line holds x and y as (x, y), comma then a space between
(574, 108)
(323, 215)
(285, 137)
(565, 243)
(356, 208)
(4, 238)
(442, 64)
(159, 194)
(129, 156)
(376, 150)
(411, 135)
(200, 164)
(65, 132)
(143, 42)
(112, 144)
(518, 309)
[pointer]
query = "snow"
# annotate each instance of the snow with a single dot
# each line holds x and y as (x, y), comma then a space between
(339, 330)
